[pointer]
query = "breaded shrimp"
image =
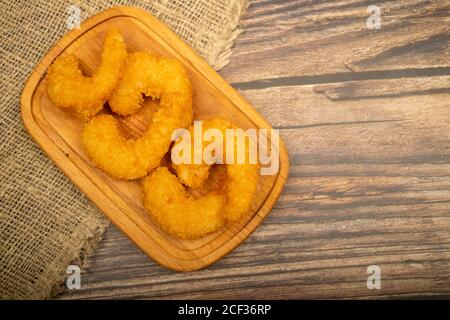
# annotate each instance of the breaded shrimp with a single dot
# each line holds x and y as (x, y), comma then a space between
(67, 88)
(149, 75)
(129, 159)
(177, 212)
(242, 179)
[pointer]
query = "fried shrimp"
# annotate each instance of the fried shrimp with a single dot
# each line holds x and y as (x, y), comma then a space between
(177, 212)
(184, 216)
(242, 179)
(123, 158)
(67, 88)
(149, 75)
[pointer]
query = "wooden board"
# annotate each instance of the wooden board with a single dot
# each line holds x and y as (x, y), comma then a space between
(369, 177)
(58, 134)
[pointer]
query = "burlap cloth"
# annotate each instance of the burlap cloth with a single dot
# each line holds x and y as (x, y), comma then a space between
(45, 222)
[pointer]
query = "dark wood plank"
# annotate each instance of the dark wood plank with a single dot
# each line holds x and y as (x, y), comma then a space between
(366, 119)
(305, 38)
(385, 87)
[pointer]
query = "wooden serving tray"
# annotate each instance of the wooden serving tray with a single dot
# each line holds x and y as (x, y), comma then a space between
(58, 134)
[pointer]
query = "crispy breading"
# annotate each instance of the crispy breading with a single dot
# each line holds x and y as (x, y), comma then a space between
(69, 89)
(177, 212)
(129, 159)
(149, 75)
(242, 179)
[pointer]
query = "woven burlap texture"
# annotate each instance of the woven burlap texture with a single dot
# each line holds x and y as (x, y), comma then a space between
(45, 222)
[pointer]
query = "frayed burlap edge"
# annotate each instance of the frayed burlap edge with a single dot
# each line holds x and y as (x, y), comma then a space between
(81, 255)
(220, 60)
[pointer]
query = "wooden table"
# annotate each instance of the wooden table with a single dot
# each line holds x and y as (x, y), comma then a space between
(365, 115)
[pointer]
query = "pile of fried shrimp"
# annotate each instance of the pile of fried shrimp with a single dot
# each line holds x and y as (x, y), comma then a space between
(123, 80)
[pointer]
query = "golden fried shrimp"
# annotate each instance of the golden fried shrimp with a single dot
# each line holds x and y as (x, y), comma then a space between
(129, 159)
(149, 75)
(67, 88)
(242, 179)
(177, 212)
